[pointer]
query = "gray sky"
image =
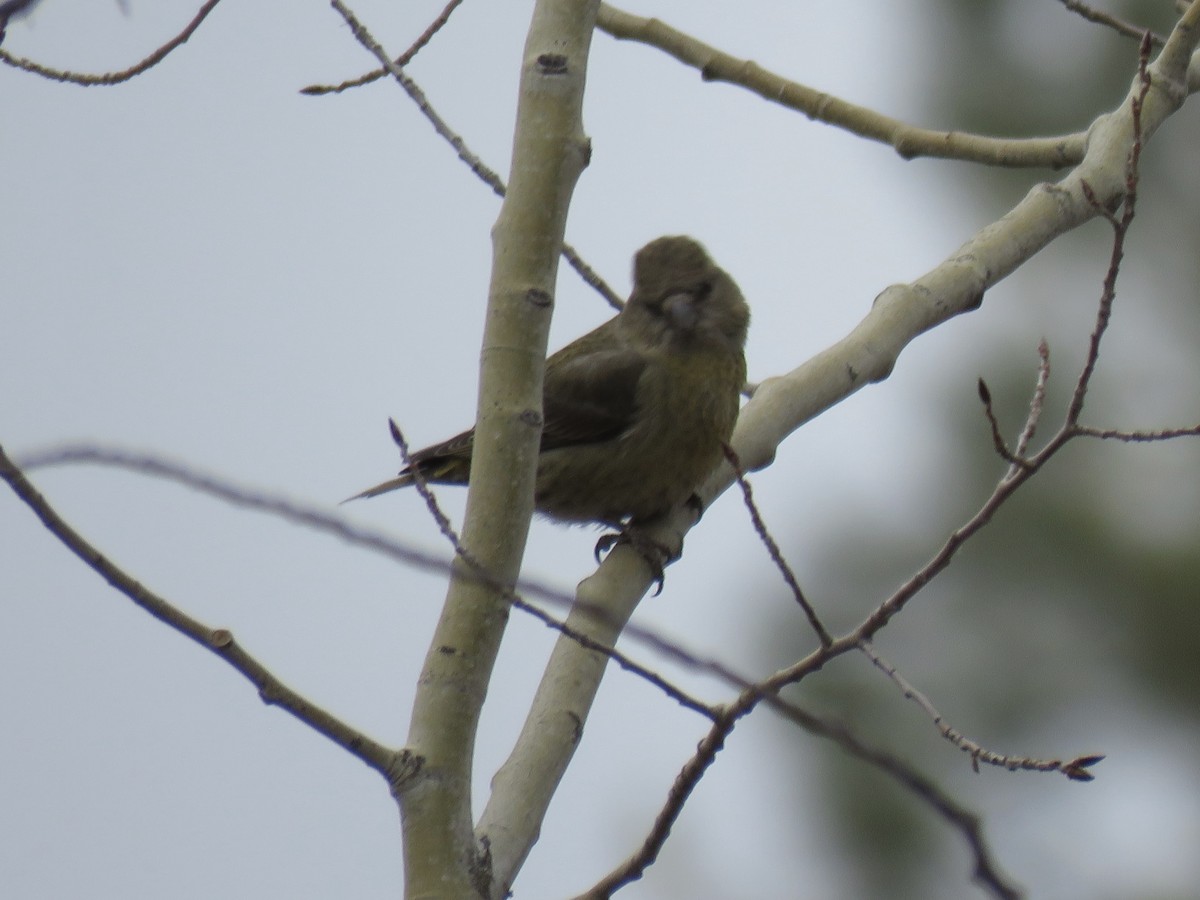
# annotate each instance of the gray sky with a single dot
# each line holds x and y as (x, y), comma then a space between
(205, 264)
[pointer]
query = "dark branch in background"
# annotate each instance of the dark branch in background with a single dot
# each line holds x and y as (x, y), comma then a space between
(1075, 769)
(110, 77)
(772, 546)
(316, 90)
(1120, 26)
(487, 175)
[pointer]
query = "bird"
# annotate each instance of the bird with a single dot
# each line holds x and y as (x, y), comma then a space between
(638, 411)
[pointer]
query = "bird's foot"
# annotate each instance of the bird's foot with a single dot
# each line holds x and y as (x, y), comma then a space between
(656, 555)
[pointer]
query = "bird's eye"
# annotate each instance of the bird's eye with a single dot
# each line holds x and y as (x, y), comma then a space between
(703, 289)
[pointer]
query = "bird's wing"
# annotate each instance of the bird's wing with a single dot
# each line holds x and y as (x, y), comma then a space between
(456, 447)
(591, 398)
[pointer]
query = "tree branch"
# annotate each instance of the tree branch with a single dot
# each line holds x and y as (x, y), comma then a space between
(549, 152)
(110, 78)
(760, 527)
(395, 766)
(908, 141)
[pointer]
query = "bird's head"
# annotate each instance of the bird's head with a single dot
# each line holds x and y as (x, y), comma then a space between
(681, 299)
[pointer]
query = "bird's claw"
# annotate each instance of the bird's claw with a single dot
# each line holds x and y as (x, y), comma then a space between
(606, 543)
(655, 554)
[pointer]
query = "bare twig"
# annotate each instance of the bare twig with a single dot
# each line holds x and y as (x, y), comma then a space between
(422, 487)
(1017, 458)
(1075, 769)
(110, 78)
(392, 764)
(1120, 26)
(1138, 437)
(1037, 402)
(1120, 229)
(316, 90)
(985, 396)
(485, 174)
(769, 542)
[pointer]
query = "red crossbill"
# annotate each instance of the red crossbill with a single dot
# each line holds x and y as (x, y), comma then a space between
(636, 412)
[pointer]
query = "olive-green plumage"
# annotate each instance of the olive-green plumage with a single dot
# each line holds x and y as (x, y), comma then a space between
(637, 410)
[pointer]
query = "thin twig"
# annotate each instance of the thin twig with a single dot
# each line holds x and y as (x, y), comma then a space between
(1120, 229)
(1037, 402)
(485, 174)
(1120, 26)
(316, 90)
(1075, 769)
(390, 763)
(776, 554)
(110, 78)
(1116, 434)
(422, 487)
(998, 443)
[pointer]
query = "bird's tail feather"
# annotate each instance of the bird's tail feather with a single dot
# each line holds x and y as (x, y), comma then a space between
(391, 485)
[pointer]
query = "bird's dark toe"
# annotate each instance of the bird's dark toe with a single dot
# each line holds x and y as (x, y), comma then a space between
(606, 543)
(656, 555)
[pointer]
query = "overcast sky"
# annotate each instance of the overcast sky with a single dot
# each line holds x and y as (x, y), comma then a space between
(204, 263)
